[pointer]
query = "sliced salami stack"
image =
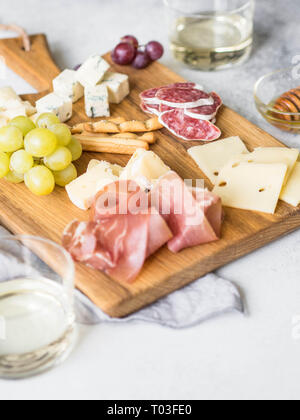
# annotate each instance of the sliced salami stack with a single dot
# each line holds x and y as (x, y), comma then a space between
(185, 110)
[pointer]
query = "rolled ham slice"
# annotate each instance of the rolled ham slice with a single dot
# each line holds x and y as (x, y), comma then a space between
(187, 128)
(207, 112)
(194, 216)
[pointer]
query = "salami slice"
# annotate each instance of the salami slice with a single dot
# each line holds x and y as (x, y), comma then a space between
(184, 98)
(165, 108)
(189, 128)
(186, 85)
(207, 112)
(149, 96)
(152, 109)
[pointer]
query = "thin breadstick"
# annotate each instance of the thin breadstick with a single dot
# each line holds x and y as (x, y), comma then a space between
(117, 120)
(102, 127)
(125, 136)
(94, 135)
(133, 127)
(79, 128)
(148, 137)
(110, 145)
(153, 124)
(111, 127)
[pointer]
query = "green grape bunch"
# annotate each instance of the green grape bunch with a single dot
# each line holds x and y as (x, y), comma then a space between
(40, 155)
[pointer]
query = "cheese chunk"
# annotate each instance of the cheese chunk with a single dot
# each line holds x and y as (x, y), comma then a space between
(92, 71)
(212, 157)
(116, 169)
(3, 121)
(83, 190)
(7, 94)
(251, 186)
(117, 85)
(145, 167)
(66, 85)
(14, 108)
(61, 107)
(96, 101)
(30, 109)
(272, 155)
(291, 192)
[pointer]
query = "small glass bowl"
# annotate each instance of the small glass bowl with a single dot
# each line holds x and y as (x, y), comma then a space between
(268, 89)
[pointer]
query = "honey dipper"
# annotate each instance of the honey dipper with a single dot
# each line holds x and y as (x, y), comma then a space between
(289, 102)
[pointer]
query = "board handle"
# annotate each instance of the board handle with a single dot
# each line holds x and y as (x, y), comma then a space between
(36, 66)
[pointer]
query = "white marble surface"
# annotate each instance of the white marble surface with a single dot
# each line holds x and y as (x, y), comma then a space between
(236, 357)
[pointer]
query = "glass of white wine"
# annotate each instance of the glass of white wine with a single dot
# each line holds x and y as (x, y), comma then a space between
(37, 320)
(211, 34)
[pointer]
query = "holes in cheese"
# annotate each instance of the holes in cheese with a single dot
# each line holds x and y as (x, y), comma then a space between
(291, 192)
(273, 155)
(251, 186)
(212, 157)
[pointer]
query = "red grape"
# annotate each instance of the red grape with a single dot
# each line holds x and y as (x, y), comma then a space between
(155, 50)
(130, 39)
(124, 53)
(141, 61)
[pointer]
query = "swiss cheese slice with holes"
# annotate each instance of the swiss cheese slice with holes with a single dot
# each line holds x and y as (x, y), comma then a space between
(273, 155)
(212, 157)
(251, 186)
(291, 192)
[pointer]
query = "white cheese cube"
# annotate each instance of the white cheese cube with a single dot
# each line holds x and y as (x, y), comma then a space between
(61, 107)
(92, 71)
(7, 94)
(117, 85)
(96, 101)
(82, 190)
(66, 85)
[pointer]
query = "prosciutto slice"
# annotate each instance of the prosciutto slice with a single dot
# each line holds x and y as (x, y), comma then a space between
(122, 234)
(194, 216)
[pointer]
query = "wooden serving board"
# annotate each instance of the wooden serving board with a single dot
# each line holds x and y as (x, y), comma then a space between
(243, 231)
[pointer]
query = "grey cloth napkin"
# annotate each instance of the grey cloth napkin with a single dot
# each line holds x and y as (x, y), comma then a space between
(206, 298)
